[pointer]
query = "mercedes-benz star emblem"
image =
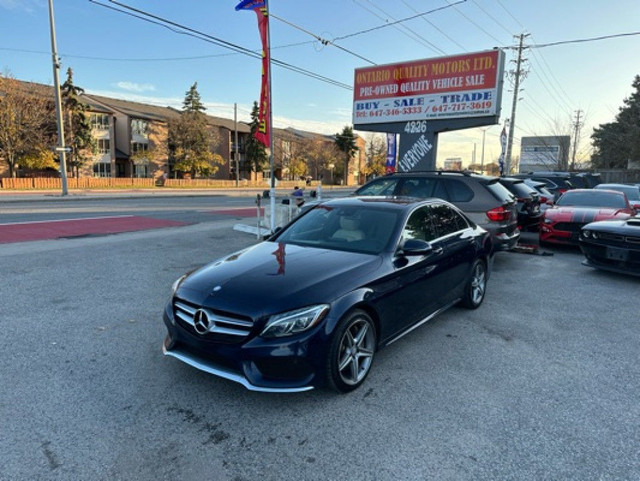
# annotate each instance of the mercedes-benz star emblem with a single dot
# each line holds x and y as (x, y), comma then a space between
(201, 321)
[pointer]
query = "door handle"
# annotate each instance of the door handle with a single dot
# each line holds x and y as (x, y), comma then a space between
(437, 250)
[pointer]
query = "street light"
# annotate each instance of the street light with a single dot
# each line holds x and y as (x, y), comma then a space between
(61, 149)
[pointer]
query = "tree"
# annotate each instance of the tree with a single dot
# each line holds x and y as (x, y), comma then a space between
(42, 159)
(255, 150)
(375, 156)
(617, 142)
(346, 143)
(191, 141)
(25, 127)
(319, 154)
(192, 101)
(78, 134)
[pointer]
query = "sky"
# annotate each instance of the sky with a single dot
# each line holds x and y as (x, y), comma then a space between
(124, 55)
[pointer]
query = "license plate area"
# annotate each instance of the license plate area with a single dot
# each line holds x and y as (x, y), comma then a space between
(616, 254)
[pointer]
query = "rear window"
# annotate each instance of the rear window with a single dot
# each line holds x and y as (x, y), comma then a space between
(578, 182)
(592, 198)
(499, 191)
(378, 187)
(520, 189)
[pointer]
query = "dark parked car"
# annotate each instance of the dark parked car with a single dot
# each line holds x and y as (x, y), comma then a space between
(529, 213)
(485, 201)
(632, 192)
(612, 245)
(562, 223)
(546, 197)
(312, 305)
(556, 183)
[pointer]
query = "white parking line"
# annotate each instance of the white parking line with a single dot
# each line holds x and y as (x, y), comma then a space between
(65, 220)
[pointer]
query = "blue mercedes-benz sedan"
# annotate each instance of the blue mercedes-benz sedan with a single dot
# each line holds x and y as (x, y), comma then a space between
(311, 305)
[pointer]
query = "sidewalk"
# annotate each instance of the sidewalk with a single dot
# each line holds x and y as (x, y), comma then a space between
(56, 195)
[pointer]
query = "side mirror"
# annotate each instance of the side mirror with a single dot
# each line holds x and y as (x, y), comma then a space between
(269, 236)
(416, 247)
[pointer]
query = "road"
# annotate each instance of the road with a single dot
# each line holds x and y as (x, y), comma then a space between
(541, 382)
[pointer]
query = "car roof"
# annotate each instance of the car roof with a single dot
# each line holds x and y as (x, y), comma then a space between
(390, 202)
(461, 173)
(617, 186)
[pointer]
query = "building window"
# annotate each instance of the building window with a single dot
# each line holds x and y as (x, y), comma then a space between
(102, 169)
(103, 146)
(139, 147)
(139, 127)
(140, 171)
(100, 121)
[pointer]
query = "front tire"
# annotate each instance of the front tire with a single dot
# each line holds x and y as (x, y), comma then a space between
(476, 286)
(351, 352)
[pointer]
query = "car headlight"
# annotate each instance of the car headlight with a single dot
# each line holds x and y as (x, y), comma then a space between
(176, 284)
(586, 234)
(594, 235)
(547, 221)
(294, 322)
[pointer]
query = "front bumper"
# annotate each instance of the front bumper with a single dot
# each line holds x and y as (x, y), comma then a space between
(266, 365)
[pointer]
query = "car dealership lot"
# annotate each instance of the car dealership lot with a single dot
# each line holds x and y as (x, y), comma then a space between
(541, 382)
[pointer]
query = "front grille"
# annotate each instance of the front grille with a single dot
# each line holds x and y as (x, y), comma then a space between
(223, 325)
(573, 227)
(611, 237)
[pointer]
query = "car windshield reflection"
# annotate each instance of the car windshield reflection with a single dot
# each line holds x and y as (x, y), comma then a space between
(349, 228)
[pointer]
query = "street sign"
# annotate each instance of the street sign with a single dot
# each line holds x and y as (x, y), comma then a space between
(63, 149)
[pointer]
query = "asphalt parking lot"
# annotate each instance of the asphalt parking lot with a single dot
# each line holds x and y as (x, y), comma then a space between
(541, 382)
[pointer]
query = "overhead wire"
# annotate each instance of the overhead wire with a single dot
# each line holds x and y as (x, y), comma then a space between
(448, 37)
(154, 19)
(414, 35)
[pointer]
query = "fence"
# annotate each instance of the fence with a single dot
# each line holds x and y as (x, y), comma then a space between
(43, 183)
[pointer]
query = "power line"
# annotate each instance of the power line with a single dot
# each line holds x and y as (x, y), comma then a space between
(414, 35)
(389, 24)
(582, 40)
(154, 19)
(435, 26)
(471, 21)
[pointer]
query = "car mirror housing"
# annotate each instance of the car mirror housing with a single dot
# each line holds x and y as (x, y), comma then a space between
(416, 247)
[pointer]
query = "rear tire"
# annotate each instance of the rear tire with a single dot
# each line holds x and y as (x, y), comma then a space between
(351, 352)
(476, 286)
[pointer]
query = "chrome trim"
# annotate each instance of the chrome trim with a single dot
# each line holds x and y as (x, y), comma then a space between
(187, 313)
(426, 319)
(226, 374)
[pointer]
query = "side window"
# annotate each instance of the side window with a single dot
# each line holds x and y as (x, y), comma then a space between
(419, 226)
(441, 191)
(378, 187)
(420, 187)
(447, 220)
(458, 191)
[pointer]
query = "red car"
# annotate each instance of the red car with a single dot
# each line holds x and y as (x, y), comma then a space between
(561, 223)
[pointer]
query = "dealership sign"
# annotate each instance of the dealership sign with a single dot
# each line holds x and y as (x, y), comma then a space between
(462, 86)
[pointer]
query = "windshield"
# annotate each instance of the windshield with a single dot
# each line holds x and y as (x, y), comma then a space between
(592, 198)
(348, 228)
(632, 192)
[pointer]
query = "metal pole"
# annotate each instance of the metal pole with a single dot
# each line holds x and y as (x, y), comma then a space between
(516, 89)
(56, 84)
(235, 151)
(272, 190)
(484, 131)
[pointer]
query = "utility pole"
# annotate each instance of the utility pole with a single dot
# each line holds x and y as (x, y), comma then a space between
(61, 149)
(235, 150)
(484, 132)
(577, 126)
(516, 90)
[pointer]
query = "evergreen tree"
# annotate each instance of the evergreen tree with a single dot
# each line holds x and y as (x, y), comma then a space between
(192, 102)
(346, 143)
(191, 140)
(78, 134)
(255, 151)
(616, 143)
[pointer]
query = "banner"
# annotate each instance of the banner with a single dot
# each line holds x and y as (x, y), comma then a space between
(503, 144)
(391, 154)
(263, 134)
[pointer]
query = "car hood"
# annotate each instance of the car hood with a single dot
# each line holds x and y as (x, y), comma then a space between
(271, 277)
(627, 227)
(583, 214)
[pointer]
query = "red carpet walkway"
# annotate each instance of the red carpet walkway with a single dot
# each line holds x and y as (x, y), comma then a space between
(41, 230)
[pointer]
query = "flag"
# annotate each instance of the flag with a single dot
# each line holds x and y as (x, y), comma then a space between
(503, 143)
(263, 134)
(391, 154)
